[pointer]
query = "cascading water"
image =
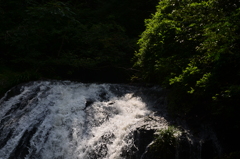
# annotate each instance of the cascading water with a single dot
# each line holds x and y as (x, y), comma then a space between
(65, 120)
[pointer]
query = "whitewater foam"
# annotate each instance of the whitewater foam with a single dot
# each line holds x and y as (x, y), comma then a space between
(71, 121)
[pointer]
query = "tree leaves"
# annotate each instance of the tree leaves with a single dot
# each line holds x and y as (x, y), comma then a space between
(192, 46)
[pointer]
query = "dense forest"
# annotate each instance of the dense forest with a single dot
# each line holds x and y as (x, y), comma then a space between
(88, 41)
(192, 48)
(189, 47)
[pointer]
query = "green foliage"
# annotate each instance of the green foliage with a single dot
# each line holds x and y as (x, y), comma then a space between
(162, 53)
(192, 48)
(165, 143)
(64, 39)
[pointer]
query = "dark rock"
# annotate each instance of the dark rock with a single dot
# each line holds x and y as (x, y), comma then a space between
(13, 92)
(88, 103)
(21, 149)
(141, 139)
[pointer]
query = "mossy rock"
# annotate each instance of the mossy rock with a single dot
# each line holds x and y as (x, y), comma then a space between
(165, 144)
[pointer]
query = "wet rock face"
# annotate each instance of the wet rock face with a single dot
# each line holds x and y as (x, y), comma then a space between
(141, 140)
(100, 149)
(22, 148)
(203, 145)
(75, 120)
(13, 92)
(202, 149)
(142, 137)
(57, 119)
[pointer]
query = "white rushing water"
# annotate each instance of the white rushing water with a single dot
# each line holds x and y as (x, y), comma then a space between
(65, 120)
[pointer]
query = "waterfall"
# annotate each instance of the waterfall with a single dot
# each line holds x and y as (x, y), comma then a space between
(69, 120)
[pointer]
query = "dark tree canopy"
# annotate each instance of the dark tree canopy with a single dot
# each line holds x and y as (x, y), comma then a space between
(192, 48)
(69, 39)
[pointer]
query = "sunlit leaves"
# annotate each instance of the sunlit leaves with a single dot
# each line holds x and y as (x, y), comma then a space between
(192, 46)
